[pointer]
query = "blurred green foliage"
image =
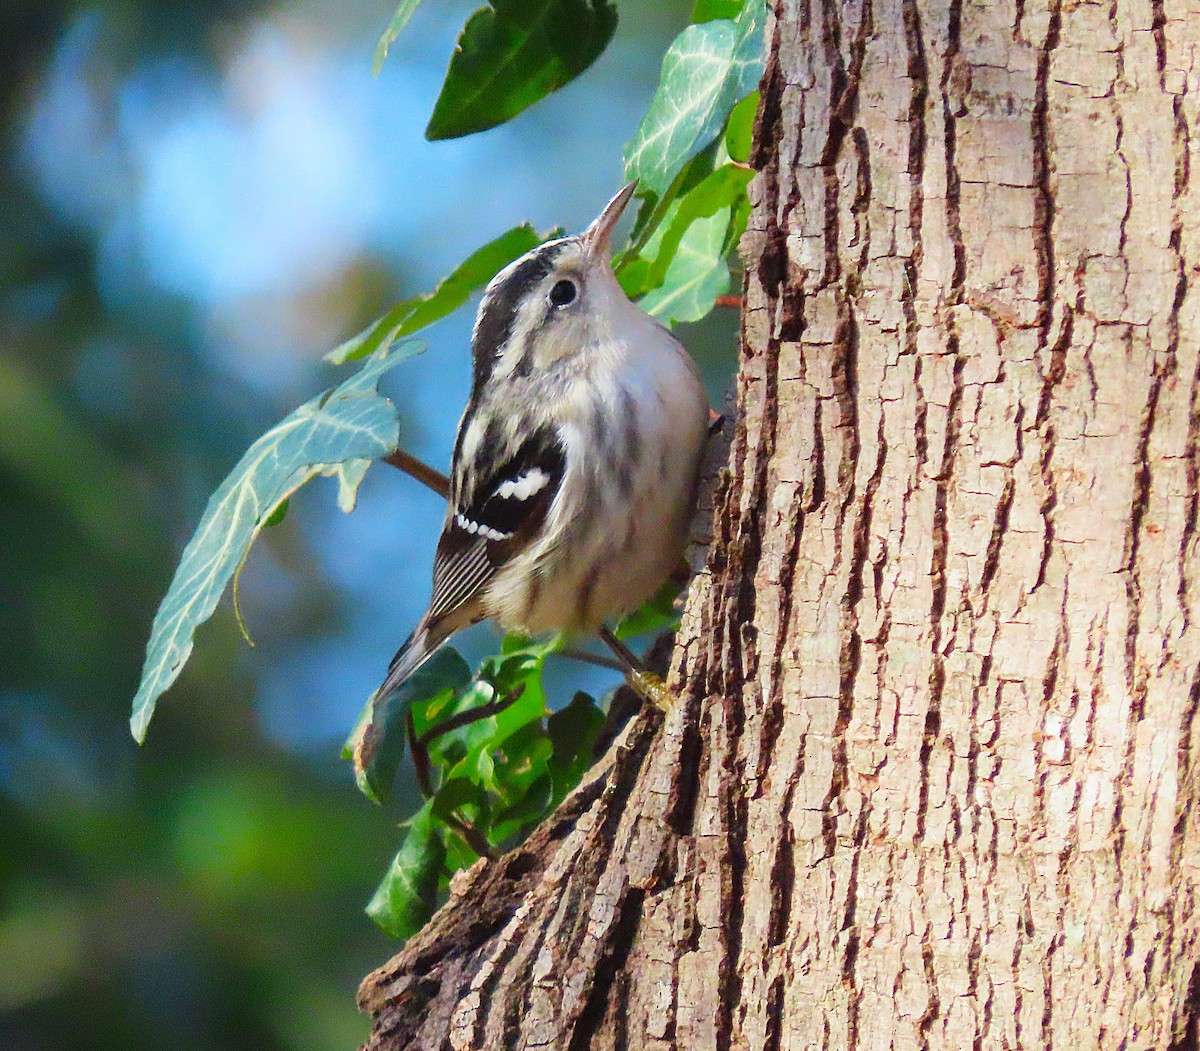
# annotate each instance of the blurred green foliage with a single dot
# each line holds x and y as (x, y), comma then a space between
(206, 893)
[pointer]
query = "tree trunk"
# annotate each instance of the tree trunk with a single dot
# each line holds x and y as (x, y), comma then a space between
(933, 778)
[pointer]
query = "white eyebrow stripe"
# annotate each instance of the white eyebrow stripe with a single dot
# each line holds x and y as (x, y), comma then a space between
(532, 481)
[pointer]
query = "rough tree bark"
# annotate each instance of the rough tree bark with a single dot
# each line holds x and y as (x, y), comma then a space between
(933, 780)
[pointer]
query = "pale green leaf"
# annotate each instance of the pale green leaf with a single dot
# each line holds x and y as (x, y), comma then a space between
(707, 70)
(725, 187)
(697, 274)
(404, 11)
(349, 477)
(351, 422)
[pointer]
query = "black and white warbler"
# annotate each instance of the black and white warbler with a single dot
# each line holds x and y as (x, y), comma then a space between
(574, 470)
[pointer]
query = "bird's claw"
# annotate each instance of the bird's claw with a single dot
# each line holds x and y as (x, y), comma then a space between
(651, 688)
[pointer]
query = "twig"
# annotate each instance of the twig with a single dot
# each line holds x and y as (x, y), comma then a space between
(420, 756)
(729, 301)
(421, 471)
(473, 838)
(471, 715)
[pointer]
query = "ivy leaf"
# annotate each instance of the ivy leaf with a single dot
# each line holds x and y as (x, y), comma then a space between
(519, 668)
(408, 894)
(351, 422)
(519, 764)
(376, 746)
(705, 72)
(464, 749)
(414, 314)
(536, 802)
(697, 274)
(395, 27)
(719, 189)
(573, 731)
(513, 53)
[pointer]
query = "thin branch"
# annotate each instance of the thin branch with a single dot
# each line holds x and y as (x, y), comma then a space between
(420, 756)
(729, 301)
(471, 715)
(473, 838)
(421, 471)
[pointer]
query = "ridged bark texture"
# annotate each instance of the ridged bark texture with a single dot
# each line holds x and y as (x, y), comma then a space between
(933, 779)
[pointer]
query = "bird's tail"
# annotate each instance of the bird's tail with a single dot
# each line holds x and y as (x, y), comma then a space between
(422, 644)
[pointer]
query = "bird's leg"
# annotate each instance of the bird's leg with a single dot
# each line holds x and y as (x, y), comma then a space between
(642, 681)
(592, 658)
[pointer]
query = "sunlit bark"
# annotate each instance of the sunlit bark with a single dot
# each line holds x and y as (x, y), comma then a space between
(933, 781)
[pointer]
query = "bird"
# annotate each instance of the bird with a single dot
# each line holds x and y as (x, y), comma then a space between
(575, 465)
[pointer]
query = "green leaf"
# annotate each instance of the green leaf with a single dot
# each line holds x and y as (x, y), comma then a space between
(463, 749)
(719, 189)
(707, 10)
(513, 53)
(408, 894)
(697, 274)
(376, 746)
(739, 129)
(452, 292)
(458, 794)
(276, 516)
(534, 806)
(520, 762)
(351, 422)
(521, 668)
(705, 72)
(395, 27)
(573, 731)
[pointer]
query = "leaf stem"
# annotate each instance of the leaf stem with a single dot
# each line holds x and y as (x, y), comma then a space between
(421, 471)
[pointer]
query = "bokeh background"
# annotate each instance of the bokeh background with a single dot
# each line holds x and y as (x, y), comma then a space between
(197, 200)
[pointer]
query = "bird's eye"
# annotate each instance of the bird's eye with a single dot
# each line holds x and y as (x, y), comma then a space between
(562, 293)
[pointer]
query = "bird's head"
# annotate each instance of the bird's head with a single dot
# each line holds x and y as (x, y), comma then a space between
(557, 301)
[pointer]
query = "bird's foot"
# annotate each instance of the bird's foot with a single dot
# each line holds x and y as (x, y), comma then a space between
(651, 688)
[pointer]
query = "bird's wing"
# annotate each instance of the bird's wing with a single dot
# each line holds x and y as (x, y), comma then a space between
(494, 521)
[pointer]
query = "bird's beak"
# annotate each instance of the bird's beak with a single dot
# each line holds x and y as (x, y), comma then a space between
(595, 239)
